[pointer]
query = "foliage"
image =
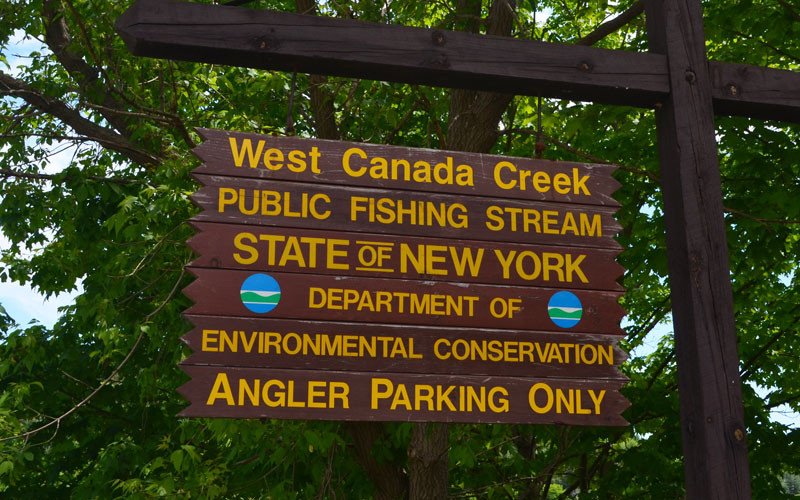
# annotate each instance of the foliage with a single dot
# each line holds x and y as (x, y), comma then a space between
(113, 221)
(791, 484)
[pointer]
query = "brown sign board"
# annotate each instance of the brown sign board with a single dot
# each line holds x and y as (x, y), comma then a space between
(287, 204)
(259, 248)
(334, 395)
(222, 292)
(346, 281)
(319, 345)
(393, 167)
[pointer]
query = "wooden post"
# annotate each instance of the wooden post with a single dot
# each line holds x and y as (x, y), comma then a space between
(712, 420)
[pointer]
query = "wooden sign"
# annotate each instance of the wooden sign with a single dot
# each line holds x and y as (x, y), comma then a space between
(352, 281)
(280, 249)
(225, 292)
(289, 204)
(379, 166)
(676, 78)
(332, 395)
(346, 346)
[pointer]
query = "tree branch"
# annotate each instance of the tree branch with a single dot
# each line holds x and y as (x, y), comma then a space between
(58, 39)
(581, 154)
(750, 365)
(111, 102)
(108, 138)
(760, 220)
(660, 369)
(765, 44)
(656, 316)
(390, 138)
(613, 25)
(790, 10)
(57, 421)
(783, 401)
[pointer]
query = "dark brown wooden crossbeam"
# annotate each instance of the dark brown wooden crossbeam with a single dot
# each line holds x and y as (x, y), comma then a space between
(293, 42)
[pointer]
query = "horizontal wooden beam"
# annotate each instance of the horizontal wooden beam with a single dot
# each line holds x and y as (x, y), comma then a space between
(755, 91)
(239, 36)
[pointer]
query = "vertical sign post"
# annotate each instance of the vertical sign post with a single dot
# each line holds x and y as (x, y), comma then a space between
(712, 415)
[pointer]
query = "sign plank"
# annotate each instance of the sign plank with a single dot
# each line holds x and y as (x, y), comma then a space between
(333, 395)
(223, 292)
(393, 167)
(317, 345)
(288, 204)
(258, 248)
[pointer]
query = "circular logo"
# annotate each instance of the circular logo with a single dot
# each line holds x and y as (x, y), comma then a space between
(565, 309)
(260, 293)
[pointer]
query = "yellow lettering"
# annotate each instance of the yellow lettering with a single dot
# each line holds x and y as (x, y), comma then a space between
(279, 393)
(273, 155)
(318, 294)
(591, 228)
(346, 162)
(548, 395)
(579, 185)
(505, 165)
(431, 259)
(210, 337)
(240, 245)
(339, 391)
(244, 388)
(597, 399)
(498, 400)
(467, 259)
(382, 388)
(221, 390)
(247, 148)
(561, 183)
(316, 390)
(298, 161)
(227, 196)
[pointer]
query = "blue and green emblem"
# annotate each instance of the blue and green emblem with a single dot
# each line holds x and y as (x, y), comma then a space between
(565, 309)
(260, 293)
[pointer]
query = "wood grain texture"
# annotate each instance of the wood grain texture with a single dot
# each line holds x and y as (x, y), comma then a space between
(292, 42)
(277, 343)
(508, 395)
(277, 249)
(588, 183)
(755, 91)
(239, 200)
(714, 445)
(217, 292)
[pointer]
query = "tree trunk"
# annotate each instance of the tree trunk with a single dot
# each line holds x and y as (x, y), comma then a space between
(390, 483)
(428, 462)
(472, 126)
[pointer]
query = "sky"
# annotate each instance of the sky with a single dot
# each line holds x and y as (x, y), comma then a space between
(21, 302)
